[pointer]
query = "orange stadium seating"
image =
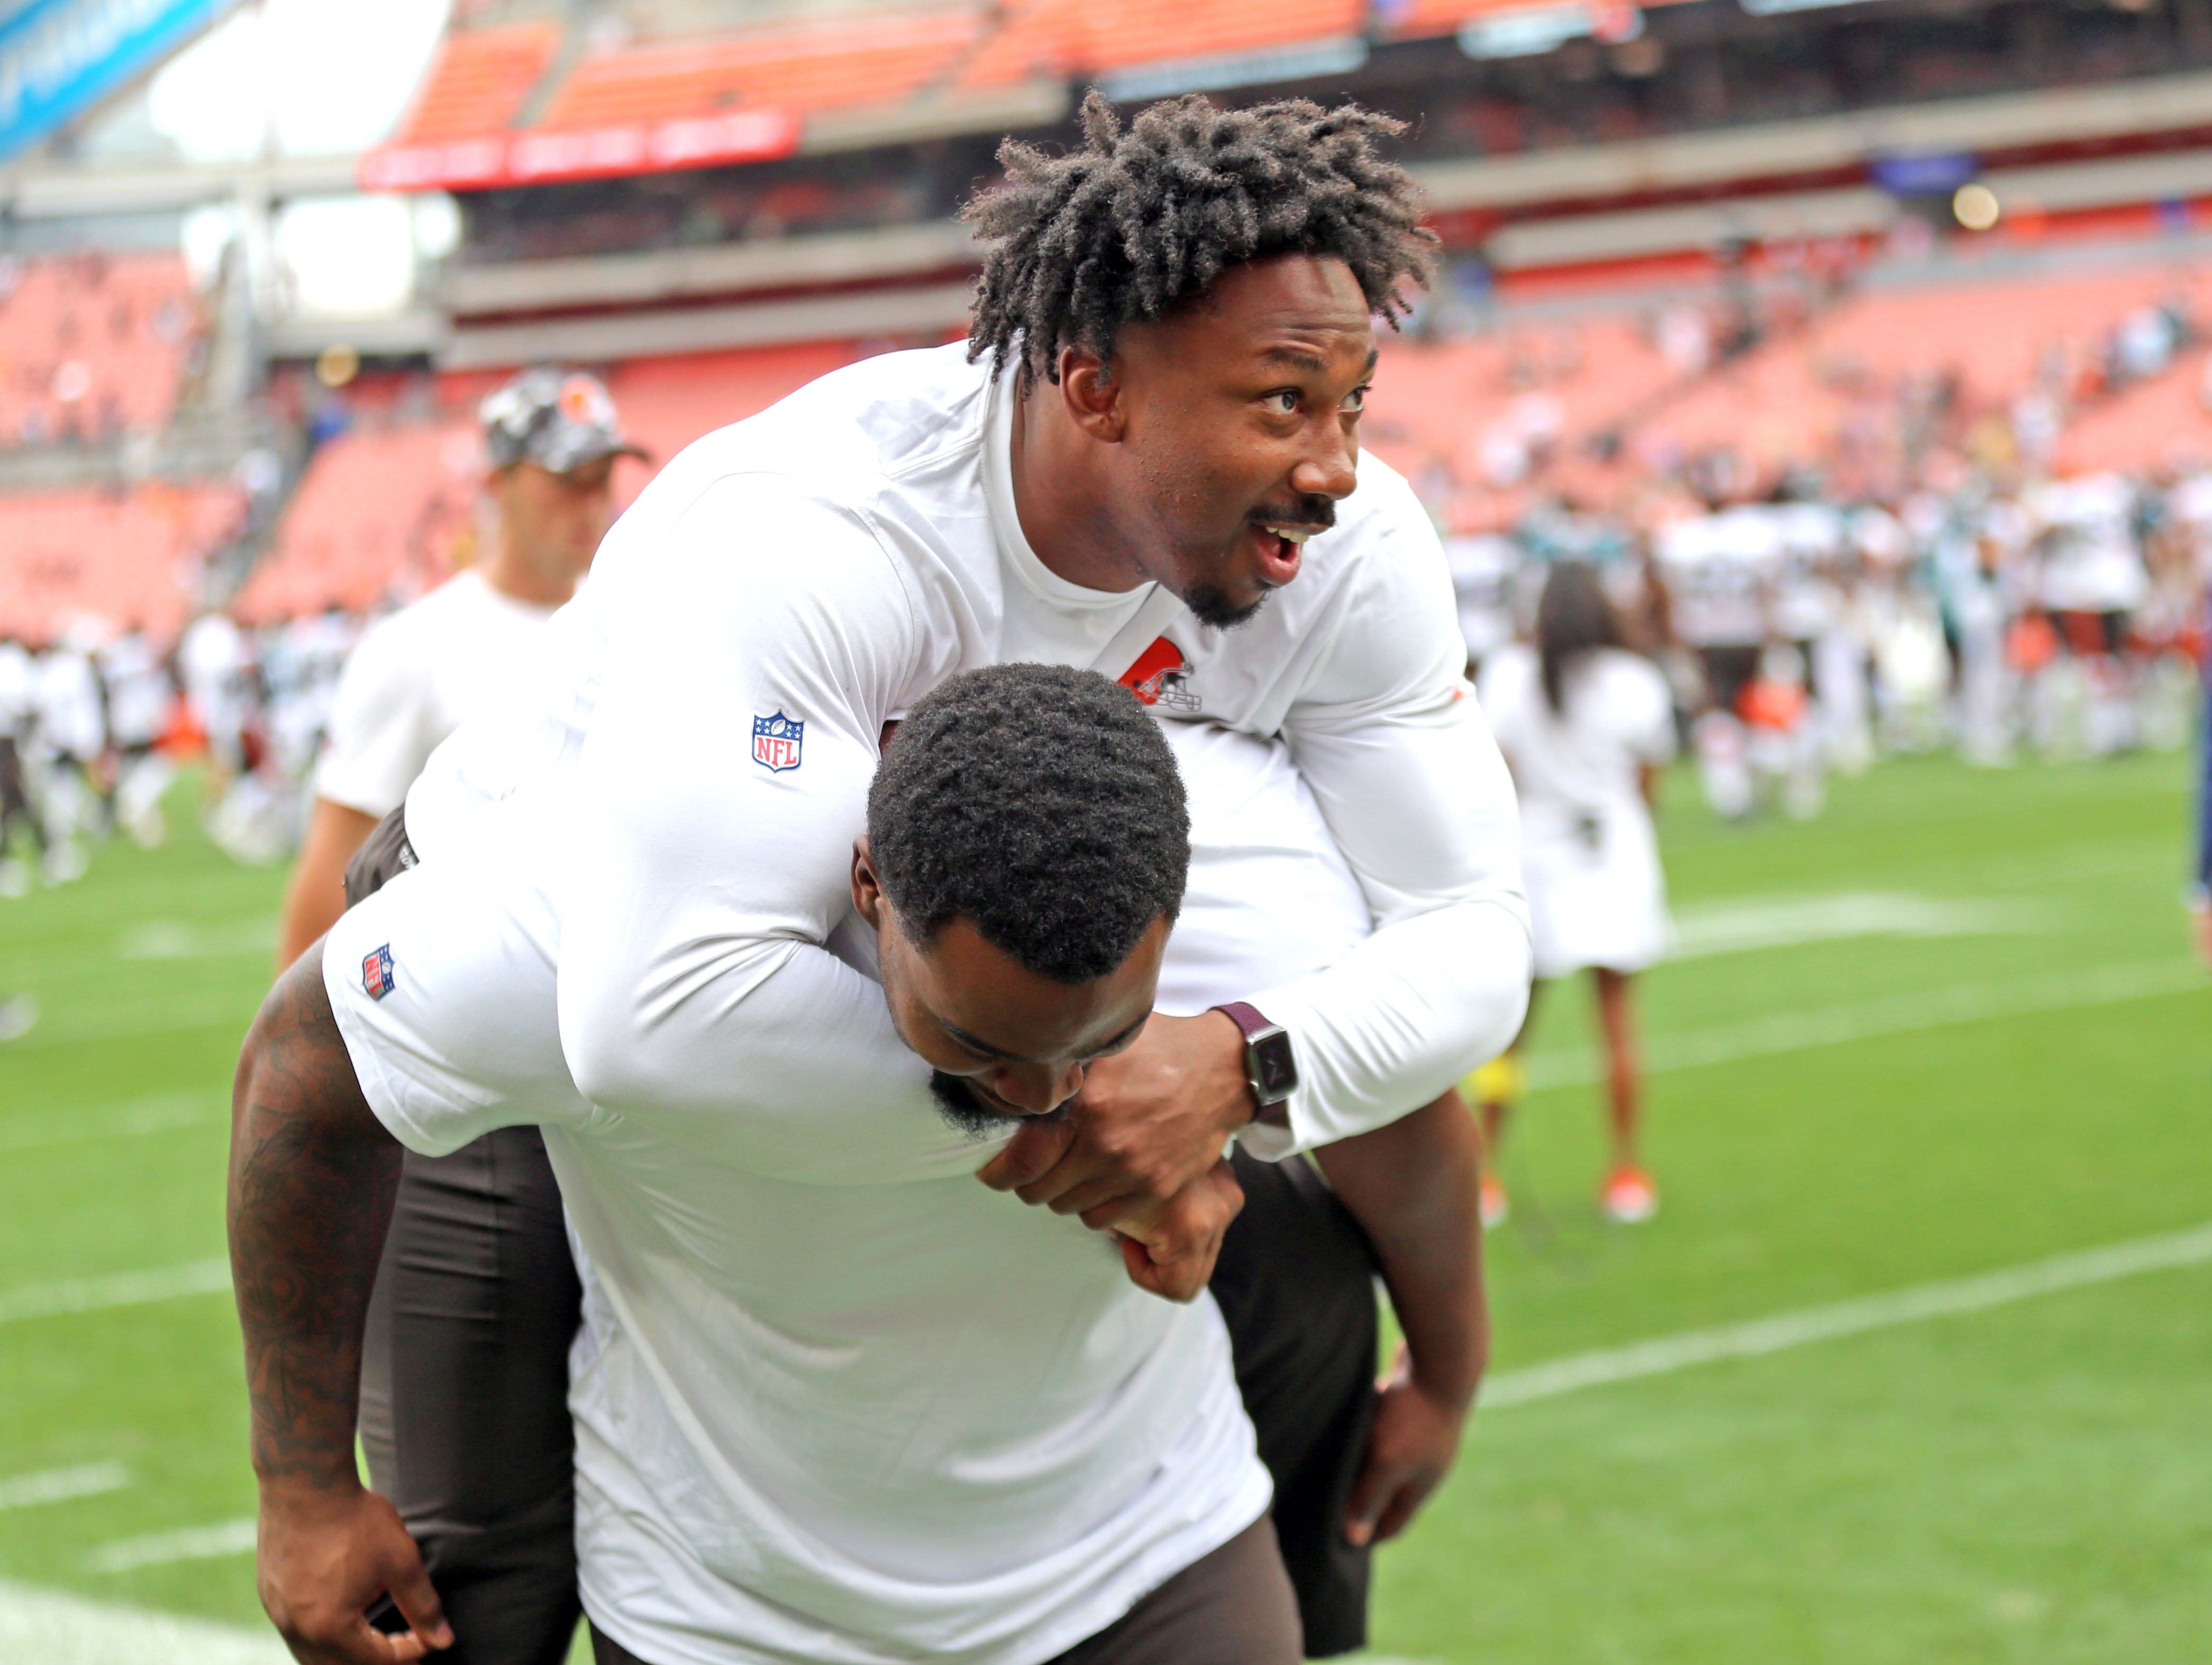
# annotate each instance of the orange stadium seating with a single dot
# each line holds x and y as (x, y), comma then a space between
(1069, 39)
(378, 514)
(874, 59)
(481, 76)
(2164, 419)
(384, 514)
(128, 557)
(479, 81)
(1441, 403)
(666, 403)
(1992, 333)
(91, 346)
(1413, 20)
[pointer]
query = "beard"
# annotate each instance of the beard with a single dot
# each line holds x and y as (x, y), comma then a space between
(957, 1103)
(1210, 605)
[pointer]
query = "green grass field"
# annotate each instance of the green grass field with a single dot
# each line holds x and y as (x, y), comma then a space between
(2015, 1066)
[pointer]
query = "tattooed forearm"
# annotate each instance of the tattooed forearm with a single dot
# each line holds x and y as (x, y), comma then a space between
(313, 1174)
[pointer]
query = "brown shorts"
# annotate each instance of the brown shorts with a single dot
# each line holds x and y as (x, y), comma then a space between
(1231, 1607)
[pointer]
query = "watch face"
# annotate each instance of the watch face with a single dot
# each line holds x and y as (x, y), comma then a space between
(1275, 1071)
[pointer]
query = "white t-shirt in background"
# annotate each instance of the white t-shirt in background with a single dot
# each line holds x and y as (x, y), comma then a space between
(413, 680)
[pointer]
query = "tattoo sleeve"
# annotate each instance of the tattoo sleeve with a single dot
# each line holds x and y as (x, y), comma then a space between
(312, 1175)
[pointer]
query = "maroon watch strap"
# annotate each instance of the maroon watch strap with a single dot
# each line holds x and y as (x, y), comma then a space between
(1247, 1017)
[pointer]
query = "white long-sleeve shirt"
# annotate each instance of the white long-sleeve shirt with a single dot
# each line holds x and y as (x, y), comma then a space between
(827, 563)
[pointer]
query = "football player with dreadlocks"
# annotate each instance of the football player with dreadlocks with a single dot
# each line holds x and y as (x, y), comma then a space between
(1145, 462)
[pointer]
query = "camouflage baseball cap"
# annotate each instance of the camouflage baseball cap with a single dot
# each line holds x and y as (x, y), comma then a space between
(558, 419)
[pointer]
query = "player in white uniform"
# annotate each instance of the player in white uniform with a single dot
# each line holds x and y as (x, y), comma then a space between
(139, 697)
(68, 753)
(1720, 570)
(217, 668)
(2093, 580)
(18, 704)
(552, 439)
(819, 568)
(1586, 727)
(1484, 568)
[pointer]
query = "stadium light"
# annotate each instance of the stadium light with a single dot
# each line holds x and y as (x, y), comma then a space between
(1975, 206)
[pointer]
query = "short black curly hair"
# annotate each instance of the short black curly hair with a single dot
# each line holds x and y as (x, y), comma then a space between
(1121, 230)
(1039, 802)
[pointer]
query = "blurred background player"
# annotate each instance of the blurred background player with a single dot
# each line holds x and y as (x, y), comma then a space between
(18, 702)
(140, 696)
(2200, 885)
(1586, 727)
(70, 755)
(1719, 569)
(1484, 568)
(552, 437)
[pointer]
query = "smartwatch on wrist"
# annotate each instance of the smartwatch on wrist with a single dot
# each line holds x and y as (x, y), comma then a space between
(1270, 1065)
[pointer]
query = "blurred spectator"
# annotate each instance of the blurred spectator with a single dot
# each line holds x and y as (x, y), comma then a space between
(553, 438)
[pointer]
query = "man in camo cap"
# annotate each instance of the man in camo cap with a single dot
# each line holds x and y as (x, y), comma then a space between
(550, 438)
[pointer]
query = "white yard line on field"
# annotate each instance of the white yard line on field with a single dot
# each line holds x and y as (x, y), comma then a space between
(1747, 924)
(171, 939)
(187, 1016)
(88, 1480)
(193, 1543)
(1897, 1014)
(160, 1283)
(53, 1629)
(1665, 1355)
(71, 1127)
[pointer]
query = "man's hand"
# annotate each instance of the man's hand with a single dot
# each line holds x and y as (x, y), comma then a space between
(2200, 920)
(327, 1555)
(1148, 1122)
(1415, 1437)
(1171, 1247)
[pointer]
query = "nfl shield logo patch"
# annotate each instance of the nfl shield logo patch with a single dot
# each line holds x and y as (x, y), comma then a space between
(376, 973)
(777, 741)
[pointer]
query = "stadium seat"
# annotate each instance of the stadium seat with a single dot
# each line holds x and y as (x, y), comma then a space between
(92, 346)
(378, 517)
(479, 81)
(389, 511)
(130, 559)
(668, 402)
(1073, 39)
(874, 59)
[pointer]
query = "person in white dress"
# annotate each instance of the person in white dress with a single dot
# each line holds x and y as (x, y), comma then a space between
(1586, 727)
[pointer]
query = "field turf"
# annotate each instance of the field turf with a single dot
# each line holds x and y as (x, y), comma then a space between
(1947, 1030)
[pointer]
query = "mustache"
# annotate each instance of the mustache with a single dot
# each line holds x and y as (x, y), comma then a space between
(1319, 512)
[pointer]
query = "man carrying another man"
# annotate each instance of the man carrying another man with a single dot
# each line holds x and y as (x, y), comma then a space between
(1161, 430)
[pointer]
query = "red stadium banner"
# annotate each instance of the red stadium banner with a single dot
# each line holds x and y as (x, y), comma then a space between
(541, 156)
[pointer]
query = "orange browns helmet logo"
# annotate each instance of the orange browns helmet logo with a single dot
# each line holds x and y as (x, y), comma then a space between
(1158, 676)
(584, 400)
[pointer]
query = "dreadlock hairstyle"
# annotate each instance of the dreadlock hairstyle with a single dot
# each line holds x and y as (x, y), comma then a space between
(1119, 231)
